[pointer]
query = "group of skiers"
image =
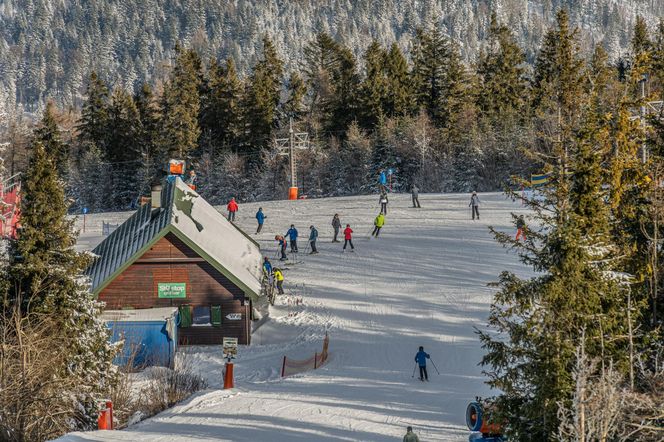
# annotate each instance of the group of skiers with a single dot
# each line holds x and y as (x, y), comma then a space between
(275, 275)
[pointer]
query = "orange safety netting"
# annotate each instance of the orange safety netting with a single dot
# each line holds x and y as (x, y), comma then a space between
(291, 366)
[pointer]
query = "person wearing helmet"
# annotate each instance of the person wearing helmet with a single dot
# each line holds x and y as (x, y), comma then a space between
(267, 266)
(282, 247)
(313, 236)
(475, 205)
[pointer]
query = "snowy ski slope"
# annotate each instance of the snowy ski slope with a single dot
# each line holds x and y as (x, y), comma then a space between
(423, 282)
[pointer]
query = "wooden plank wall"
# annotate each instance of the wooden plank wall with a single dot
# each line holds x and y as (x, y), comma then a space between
(170, 260)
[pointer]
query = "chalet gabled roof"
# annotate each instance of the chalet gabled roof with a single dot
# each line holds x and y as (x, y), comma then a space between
(192, 219)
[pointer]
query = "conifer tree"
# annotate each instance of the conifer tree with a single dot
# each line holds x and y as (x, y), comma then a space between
(373, 91)
(148, 138)
(557, 98)
(502, 77)
(48, 134)
(399, 100)
(123, 147)
(577, 294)
(94, 115)
(575, 297)
(456, 101)
(296, 91)
(180, 106)
(331, 75)
(45, 278)
(222, 113)
(261, 101)
(430, 53)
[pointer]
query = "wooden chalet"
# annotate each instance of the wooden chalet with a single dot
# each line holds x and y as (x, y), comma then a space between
(178, 251)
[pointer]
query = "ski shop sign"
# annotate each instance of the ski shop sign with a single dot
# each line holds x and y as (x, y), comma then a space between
(171, 290)
(234, 316)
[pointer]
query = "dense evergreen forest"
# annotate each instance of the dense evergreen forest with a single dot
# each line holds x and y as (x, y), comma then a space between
(49, 47)
(432, 118)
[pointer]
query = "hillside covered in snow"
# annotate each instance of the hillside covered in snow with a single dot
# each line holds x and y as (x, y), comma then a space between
(422, 282)
(49, 47)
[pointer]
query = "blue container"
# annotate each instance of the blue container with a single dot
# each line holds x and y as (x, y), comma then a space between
(147, 341)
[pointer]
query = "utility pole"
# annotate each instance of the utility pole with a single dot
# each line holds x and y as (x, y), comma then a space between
(288, 146)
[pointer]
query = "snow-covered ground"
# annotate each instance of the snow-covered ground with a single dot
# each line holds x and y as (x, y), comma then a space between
(423, 282)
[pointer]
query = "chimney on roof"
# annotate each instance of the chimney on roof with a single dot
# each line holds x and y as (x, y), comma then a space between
(155, 196)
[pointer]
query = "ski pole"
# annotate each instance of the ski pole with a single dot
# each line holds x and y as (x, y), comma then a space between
(415, 367)
(434, 365)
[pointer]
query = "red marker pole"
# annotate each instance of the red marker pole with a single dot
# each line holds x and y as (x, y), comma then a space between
(228, 375)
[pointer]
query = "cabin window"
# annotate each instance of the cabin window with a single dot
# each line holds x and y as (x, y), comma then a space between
(201, 315)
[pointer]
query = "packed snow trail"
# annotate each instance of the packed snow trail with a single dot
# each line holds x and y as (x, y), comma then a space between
(422, 282)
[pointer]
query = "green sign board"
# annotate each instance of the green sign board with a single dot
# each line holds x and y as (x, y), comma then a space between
(172, 289)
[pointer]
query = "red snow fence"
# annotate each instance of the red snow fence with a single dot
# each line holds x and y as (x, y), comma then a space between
(291, 366)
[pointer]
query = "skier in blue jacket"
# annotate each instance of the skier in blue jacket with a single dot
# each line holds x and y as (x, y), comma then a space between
(292, 234)
(421, 359)
(260, 217)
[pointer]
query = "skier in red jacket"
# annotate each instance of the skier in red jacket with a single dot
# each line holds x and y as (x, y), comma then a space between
(348, 236)
(232, 208)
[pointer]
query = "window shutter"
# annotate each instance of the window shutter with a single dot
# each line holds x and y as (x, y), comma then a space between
(185, 315)
(215, 315)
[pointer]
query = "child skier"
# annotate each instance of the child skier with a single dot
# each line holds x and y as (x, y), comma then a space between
(313, 236)
(378, 223)
(232, 208)
(279, 277)
(520, 228)
(292, 235)
(336, 224)
(475, 205)
(383, 202)
(348, 237)
(421, 359)
(282, 247)
(260, 217)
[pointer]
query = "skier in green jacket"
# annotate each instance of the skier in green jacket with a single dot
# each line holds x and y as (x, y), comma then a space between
(378, 223)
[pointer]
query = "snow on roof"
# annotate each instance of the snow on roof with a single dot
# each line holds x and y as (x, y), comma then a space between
(197, 223)
(216, 236)
(144, 314)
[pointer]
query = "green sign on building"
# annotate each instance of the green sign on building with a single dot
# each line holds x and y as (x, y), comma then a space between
(172, 289)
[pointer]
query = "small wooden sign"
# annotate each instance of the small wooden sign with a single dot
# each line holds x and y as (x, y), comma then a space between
(230, 347)
(234, 316)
